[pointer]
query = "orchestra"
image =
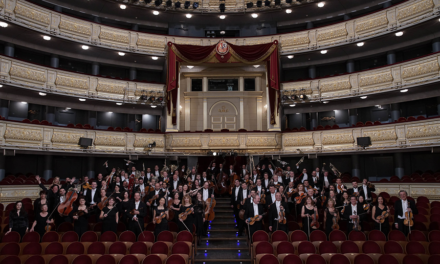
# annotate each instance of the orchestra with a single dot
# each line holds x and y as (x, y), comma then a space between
(261, 195)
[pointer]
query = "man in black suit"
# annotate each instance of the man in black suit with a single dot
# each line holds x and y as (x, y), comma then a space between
(259, 189)
(265, 182)
(243, 171)
(206, 193)
(290, 178)
(270, 170)
(274, 214)
(315, 181)
(205, 178)
(254, 177)
(174, 184)
(85, 181)
(192, 175)
(354, 190)
(326, 180)
(158, 193)
(340, 186)
(263, 170)
(117, 182)
(304, 176)
(252, 210)
(243, 200)
(234, 200)
(270, 197)
(136, 220)
(229, 171)
(352, 213)
(366, 191)
(156, 172)
(69, 184)
(111, 173)
(400, 208)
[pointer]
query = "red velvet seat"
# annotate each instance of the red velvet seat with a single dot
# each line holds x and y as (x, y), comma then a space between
(32, 249)
(339, 259)
(160, 248)
(368, 123)
(357, 236)
(317, 235)
(108, 236)
(127, 236)
(151, 259)
(279, 236)
(106, 259)
(337, 235)
(51, 236)
(11, 248)
(417, 236)
(117, 248)
(285, 247)
(260, 236)
(392, 247)
(181, 248)
(349, 247)
(166, 236)
(414, 247)
(184, 236)
(412, 259)
(60, 259)
(35, 260)
(306, 247)
(315, 259)
(396, 235)
(11, 237)
(263, 247)
(268, 259)
(363, 259)
(376, 235)
(387, 259)
(65, 227)
(70, 236)
(138, 248)
(54, 248)
(31, 237)
(327, 247)
(75, 248)
(292, 259)
(370, 247)
(96, 248)
(11, 260)
(82, 259)
(173, 259)
(292, 226)
(434, 247)
(146, 236)
(89, 236)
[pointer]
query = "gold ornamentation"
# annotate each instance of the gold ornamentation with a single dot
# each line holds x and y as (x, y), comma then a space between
(381, 135)
(333, 138)
(112, 35)
(334, 85)
(297, 39)
(332, 33)
(32, 14)
(21, 133)
(27, 73)
(423, 131)
(65, 137)
(376, 78)
(107, 87)
(372, 23)
(148, 41)
(224, 142)
(416, 8)
(142, 142)
(185, 142)
(223, 109)
(74, 82)
(300, 140)
(78, 27)
(261, 142)
(107, 140)
(258, 40)
(420, 69)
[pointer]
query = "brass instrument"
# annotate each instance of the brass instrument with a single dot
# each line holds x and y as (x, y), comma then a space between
(165, 167)
(173, 167)
(335, 170)
(300, 161)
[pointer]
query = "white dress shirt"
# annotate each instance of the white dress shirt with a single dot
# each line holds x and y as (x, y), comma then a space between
(136, 206)
(291, 179)
(92, 196)
(353, 211)
(278, 204)
(305, 177)
(148, 175)
(205, 194)
(256, 209)
(365, 187)
(175, 183)
(237, 189)
(244, 194)
(266, 182)
(355, 190)
(254, 178)
(244, 172)
(156, 192)
(326, 183)
(157, 173)
(259, 189)
(271, 170)
(404, 209)
(273, 196)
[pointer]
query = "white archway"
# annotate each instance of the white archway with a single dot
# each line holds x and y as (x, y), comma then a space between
(223, 114)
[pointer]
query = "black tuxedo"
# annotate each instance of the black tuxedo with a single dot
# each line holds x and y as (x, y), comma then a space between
(214, 171)
(158, 173)
(96, 198)
(287, 180)
(171, 185)
(329, 179)
(248, 213)
(369, 191)
(348, 213)
(192, 177)
(269, 199)
(351, 191)
(398, 211)
(263, 191)
(203, 180)
(240, 197)
(67, 186)
(112, 186)
(133, 225)
(263, 183)
(270, 173)
(151, 194)
(273, 213)
(301, 176)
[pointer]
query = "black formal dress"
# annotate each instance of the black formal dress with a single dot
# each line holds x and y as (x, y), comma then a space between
(109, 223)
(307, 220)
(329, 220)
(163, 224)
(176, 209)
(80, 224)
(38, 204)
(189, 221)
(18, 223)
(199, 214)
(41, 224)
(385, 227)
(122, 208)
(298, 206)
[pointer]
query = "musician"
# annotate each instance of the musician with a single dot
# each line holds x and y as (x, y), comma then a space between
(263, 170)
(139, 187)
(206, 193)
(156, 193)
(220, 168)
(42, 220)
(353, 212)
(307, 211)
(254, 176)
(192, 175)
(165, 178)
(290, 190)
(182, 171)
(315, 181)
(270, 170)
(235, 201)
(166, 191)
(69, 184)
(18, 219)
(57, 216)
(102, 198)
(326, 180)
(52, 193)
(189, 221)
(331, 195)
(80, 215)
(230, 171)
(124, 187)
(277, 181)
(329, 212)
(258, 187)
(252, 210)
(307, 186)
(93, 196)
(266, 182)
(400, 208)
(124, 177)
(199, 215)
(135, 214)
(283, 195)
(148, 176)
(376, 215)
(340, 188)
(355, 190)
(117, 182)
(161, 209)
(299, 198)
(123, 206)
(242, 202)
(274, 214)
(270, 197)
(213, 171)
(344, 200)
(243, 171)
(104, 187)
(366, 191)
(156, 172)
(205, 178)
(303, 175)
(117, 194)
(40, 201)
(174, 184)
(290, 178)
(110, 217)
(99, 179)
(311, 193)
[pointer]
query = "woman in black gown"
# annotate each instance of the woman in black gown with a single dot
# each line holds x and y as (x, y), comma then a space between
(163, 225)
(110, 217)
(297, 198)
(117, 194)
(345, 200)
(41, 221)
(18, 220)
(307, 211)
(329, 213)
(189, 221)
(377, 211)
(199, 215)
(123, 207)
(80, 214)
(40, 201)
(175, 206)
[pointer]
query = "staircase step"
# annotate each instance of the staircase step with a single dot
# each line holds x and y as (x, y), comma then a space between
(223, 255)
(242, 239)
(229, 244)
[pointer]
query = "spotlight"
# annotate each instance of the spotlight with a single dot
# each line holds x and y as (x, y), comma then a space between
(254, 15)
(214, 153)
(266, 3)
(169, 3)
(85, 47)
(321, 4)
(123, 6)
(42, 94)
(46, 37)
(153, 106)
(222, 33)
(259, 3)
(302, 96)
(121, 53)
(288, 11)
(363, 97)
(399, 34)
(154, 58)
(360, 44)
(188, 15)
(323, 51)
(118, 103)
(177, 4)
(195, 5)
(250, 5)
(82, 99)
(3, 24)
(187, 4)
(222, 8)
(292, 105)
(290, 57)
(325, 102)
(190, 66)
(222, 17)
(155, 12)
(256, 66)
(404, 90)
(158, 2)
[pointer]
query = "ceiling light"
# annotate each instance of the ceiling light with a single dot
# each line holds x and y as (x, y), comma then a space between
(360, 44)
(153, 106)
(68, 108)
(325, 102)
(323, 51)
(1, 85)
(42, 94)
(24, 102)
(404, 90)
(288, 11)
(321, 4)
(363, 97)
(155, 12)
(254, 15)
(256, 66)
(3, 24)
(398, 34)
(121, 53)
(46, 37)
(85, 47)
(155, 58)
(118, 103)
(222, 17)
(290, 57)
(82, 99)
(190, 67)
(110, 112)
(188, 15)
(122, 6)
(292, 105)
(222, 32)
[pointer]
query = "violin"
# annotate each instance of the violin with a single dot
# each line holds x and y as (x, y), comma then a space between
(160, 217)
(408, 219)
(170, 211)
(282, 217)
(289, 194)
(263, 198)
(340, 188)
(356, 225)
(323, 200)
(67, 206)
(366, 206)
(335, 225)
(184, 215)
(80, 212)
(382, 217)
(300, 198)
(254, 219)
(153, 198)
(315, 223)
(87, 186)
(211, 184)
(103, 203)
(209, 213)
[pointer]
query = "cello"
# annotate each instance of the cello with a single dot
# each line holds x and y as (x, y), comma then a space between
(67, 206)
(209, 213)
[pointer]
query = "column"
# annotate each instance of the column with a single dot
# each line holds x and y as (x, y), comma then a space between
(241, 84)
(313, 120)
(135, 27)
(436, 45)
(346, 17)
(54, 61)
(391, 57)
(259, 104)
(93, 118)
(309, 25)
(95, 68)
(58, 9)
(91, 167)
(4, 108)
(187, 106)
(47, 173)
(398, 164)
(257, 83)
(353, 116)
(355, 171)
(2, 167)
(350, 66)
(50, 114)
(205, 103)
(312, 72)
(133, 74)
(395, 112)
(9, 49)
(241, 113)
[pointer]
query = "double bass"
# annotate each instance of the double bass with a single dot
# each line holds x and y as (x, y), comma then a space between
(66, 207)
(209, 213)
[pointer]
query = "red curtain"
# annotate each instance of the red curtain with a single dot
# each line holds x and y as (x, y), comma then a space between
(245, 54)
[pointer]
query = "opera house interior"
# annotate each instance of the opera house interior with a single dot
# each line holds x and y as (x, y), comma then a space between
(219, 131)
